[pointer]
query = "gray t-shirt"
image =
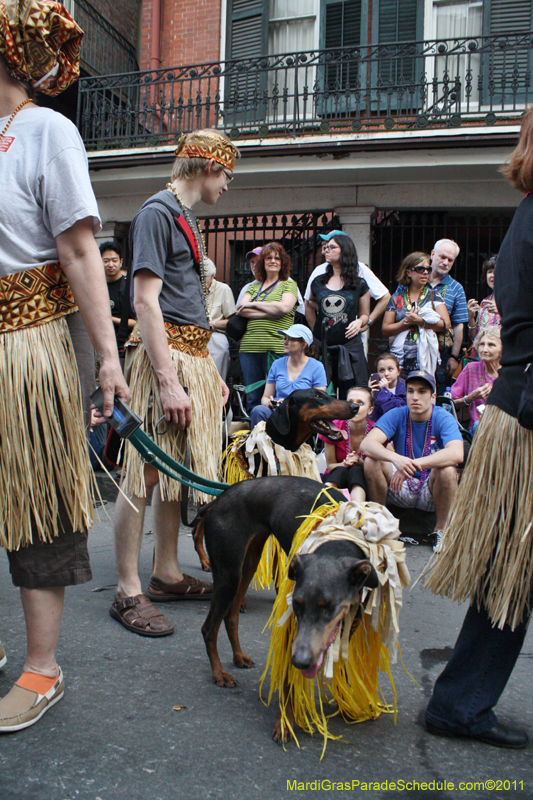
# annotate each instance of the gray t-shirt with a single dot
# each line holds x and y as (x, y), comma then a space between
(159, 246)
(45, 188)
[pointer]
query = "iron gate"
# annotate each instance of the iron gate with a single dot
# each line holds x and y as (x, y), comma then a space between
(395, 234)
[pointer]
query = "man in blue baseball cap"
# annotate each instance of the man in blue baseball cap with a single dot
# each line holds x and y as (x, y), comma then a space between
(421, 470)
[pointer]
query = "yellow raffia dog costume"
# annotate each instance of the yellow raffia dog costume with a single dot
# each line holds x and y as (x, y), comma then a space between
(349, 674)
(239, 464)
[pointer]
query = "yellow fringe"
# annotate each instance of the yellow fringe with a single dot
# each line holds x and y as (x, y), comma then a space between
(204, 435)
(487, 548)
(354, 687)
(43, 453)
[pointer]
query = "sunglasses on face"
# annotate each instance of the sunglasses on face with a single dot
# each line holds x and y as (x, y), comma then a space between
(420, 269)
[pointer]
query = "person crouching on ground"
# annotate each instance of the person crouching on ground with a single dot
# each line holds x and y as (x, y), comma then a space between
(166, 352)
(345, 459)
(421, 472)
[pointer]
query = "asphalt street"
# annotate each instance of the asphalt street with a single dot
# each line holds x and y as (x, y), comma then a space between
(117, 735)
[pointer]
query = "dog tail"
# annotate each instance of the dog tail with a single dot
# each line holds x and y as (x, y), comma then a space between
(199, 518)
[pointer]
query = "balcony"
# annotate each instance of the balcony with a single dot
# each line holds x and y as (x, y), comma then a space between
(401, 86)
(104, 50)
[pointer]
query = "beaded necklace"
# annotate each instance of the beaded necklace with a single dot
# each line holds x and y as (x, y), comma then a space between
(415, 484)
(14, 114)
(200, 241)
(412, 305)
(368, 428)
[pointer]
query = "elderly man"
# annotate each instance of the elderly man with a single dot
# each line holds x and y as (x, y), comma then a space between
(172, 375)
(443, 257)
(421, 470)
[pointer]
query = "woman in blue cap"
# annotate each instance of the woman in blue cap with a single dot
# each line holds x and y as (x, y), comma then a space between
(343, 309)
(287, 374)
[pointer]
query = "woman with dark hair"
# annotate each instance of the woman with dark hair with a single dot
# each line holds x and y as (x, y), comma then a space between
(484, 315)
(343, 309)
(414, 313)
(268, 305)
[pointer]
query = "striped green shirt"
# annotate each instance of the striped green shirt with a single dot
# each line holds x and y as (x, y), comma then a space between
(261, 336)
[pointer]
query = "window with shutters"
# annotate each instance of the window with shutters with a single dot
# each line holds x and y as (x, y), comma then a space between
(342, 22)
(508, 71)
(397, 21)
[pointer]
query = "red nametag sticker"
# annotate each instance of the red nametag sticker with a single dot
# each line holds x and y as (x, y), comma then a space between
(5, 143)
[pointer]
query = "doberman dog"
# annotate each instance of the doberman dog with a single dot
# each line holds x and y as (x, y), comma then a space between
(292, 423)
(237, 525)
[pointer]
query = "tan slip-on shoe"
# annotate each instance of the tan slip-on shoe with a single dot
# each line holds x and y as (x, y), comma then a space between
(21, 707)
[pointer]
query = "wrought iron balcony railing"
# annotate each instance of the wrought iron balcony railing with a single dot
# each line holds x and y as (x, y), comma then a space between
(398, 86)
(104, 49)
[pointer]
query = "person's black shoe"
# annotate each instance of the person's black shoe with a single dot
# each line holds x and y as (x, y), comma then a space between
(498, 736)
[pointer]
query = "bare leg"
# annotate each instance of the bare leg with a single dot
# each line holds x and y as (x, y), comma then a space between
(357, 493)
(443, 486)
(128, 538)
(42, 609)
(166, 515)
(378, 476)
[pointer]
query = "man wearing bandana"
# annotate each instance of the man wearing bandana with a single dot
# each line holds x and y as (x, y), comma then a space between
(175, 385)
(50, 268)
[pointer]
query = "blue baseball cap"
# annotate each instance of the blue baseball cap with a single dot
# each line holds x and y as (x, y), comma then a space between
(422, 375)
(298, 332)
(327, 236)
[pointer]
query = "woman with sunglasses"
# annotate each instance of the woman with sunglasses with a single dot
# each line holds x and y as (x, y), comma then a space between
(342, 300)
(414, 307)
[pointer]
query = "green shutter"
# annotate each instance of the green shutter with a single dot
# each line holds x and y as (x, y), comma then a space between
(247, 29)
(501, 67)
(397, 21)
(509, 16)
(342, 28)
(247, 38)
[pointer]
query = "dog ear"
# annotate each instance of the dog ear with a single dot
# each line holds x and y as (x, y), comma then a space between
(362, 573)
(295, 568)
(280, 418)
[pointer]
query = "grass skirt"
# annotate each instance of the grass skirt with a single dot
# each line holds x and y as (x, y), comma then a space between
(43, 449)
(204, 435)
(487, 549)
(353, 688)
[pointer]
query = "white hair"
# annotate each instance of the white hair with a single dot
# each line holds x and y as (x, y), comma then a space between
(209, 268)
(451, 241)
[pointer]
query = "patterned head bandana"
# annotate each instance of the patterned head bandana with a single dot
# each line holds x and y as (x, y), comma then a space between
(207, 144)
(41, 43)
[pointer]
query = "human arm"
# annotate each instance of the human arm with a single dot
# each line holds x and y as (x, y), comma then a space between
(266, 309)
(310, 313)
(378, 310)
(363, 315)
(473, 311)
(331, 456)
(81, 263)
(374, 446)
(269, 395)
(453, 360)
(386, 400)
(451, 455)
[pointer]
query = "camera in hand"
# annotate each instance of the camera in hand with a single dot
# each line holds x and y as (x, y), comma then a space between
(123, 420)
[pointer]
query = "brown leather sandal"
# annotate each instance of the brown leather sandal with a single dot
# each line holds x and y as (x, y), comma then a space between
(188, 589)
(139, 615)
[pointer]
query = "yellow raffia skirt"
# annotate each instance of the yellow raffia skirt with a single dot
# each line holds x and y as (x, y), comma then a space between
(487, 548)
(353, 691)
(199, 375)
(43, 448)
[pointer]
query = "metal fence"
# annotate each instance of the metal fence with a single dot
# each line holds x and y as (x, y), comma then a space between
(228, 239)
(395, 234)
(104, 50)
(406, 86)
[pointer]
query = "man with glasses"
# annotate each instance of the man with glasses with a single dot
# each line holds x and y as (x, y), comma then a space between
(172, 375)
(443, 257)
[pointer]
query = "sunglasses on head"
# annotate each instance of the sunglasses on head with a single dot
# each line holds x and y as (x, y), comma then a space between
(421, 269)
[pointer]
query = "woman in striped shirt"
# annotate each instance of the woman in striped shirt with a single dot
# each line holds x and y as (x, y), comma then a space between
(269, 306)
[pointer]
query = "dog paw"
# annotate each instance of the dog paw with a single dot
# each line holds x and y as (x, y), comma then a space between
(242, 661)
(224, 680)
(281, 736)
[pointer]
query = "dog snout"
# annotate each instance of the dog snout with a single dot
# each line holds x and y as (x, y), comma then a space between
(354, 407)
(302, 657)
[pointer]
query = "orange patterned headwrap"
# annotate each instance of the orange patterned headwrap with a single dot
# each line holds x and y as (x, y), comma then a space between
(207, 144)
(41, 43)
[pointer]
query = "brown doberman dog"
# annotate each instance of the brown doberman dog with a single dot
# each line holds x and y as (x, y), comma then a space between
(299, 416)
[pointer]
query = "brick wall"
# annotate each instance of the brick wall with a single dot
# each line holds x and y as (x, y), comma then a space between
(190, 32)
(122, 14)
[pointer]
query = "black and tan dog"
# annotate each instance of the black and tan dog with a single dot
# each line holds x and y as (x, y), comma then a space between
(237, 525)
(299, 416)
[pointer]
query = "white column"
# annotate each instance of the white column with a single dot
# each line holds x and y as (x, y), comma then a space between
(355, 222)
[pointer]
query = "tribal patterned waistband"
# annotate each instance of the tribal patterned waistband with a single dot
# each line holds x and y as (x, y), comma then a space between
(34, 297)
(188, 339)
